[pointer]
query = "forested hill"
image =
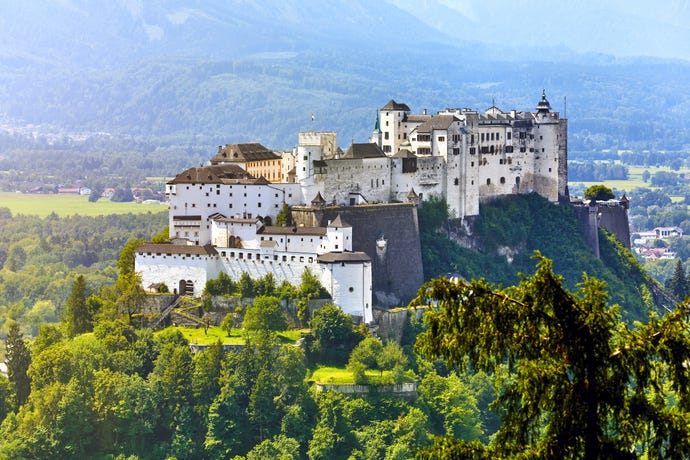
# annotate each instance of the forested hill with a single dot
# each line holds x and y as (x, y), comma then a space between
(508, 231)
(175, 73)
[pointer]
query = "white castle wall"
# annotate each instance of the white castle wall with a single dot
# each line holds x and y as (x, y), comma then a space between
(171, 268)
(237, 200)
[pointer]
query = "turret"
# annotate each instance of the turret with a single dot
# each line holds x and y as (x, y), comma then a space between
(375, 137)
(543, 106)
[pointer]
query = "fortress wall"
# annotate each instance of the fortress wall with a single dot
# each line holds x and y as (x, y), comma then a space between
(396, 267)
(615, 220)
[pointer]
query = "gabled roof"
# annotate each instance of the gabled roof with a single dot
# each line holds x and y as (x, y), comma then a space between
(392, 105)
(417, 118)
(366, 150)
(169, 249)
(242, 153)
(214, 174)
(339, 223)
(436, 122)
(404, 153)
(302, 231)
(343, 257)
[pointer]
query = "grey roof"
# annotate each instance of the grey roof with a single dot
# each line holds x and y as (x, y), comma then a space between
(366, 150)
(169, 249)
(417, 118)
(392, 105)
(343, 257)
(214, 174)
(404, 153)
(242, 153)
(338, 222)
(309, 231)
(436, 122)
(318, 199)
(235, 220)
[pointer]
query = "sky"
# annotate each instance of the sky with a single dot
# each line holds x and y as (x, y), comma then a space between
(616, 27)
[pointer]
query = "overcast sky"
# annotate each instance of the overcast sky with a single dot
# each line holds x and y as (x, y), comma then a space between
(617, 27)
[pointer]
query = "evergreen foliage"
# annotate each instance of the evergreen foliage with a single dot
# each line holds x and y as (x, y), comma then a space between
(677, 284)
(579, 383)
(18, 359)
(77, 315)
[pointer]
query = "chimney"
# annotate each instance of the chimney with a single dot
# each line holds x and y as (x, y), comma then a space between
(425, 111)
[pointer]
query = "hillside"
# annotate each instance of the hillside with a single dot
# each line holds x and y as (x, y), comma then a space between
(173, 73)
(502, 241)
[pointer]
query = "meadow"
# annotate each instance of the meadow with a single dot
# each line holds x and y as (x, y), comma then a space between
(197, 335)
(42, 205)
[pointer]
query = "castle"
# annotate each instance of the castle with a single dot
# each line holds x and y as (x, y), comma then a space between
(221, 215)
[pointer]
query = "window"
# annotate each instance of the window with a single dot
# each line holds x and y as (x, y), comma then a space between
(482, 139)
(441, 138)
(385, 135)
(492, 136)
(510, 135)
(503, 180)
(473, 150)
(456, 151)
(488, 182)
(456, 181)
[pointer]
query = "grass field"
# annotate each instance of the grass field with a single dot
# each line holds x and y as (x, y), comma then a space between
(67, 205)
(236, 337)
(342, 376)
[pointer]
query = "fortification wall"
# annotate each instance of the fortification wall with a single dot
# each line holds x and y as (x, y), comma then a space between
(397, 264)
(613, 218)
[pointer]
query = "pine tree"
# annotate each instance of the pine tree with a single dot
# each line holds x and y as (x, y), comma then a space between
(77, 315)
(678, 283)
(18, 359)
(576, 381)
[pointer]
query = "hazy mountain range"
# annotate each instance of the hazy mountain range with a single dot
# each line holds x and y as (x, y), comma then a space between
(211, 72)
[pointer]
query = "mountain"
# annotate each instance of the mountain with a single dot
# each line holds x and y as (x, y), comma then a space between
(206, 73)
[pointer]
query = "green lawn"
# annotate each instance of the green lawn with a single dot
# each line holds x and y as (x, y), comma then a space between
(65, 205)
(236, 337)
(341, 376)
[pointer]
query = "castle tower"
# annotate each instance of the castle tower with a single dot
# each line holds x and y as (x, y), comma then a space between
(393, 115)
(312, 149)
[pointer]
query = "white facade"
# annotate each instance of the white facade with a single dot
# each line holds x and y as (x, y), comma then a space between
(247, 246)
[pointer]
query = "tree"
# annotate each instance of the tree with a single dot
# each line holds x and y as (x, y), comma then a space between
(16, 258)
(284, 217)
(77, 315)
(333, 332)
(18, 360)
(122, 194)
(125, 264)
(579, 383)
(265, 314)
(245, 286)
(309, 288)
(365, 356)
(223, 285)
(599, 192)
(645, 175)
(678, 283)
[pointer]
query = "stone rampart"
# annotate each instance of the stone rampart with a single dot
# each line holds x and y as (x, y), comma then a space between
(389, 234)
